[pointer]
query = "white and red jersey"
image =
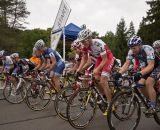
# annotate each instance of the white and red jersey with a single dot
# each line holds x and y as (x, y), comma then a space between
(97, 49)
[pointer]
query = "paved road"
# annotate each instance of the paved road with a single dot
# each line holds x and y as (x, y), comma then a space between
(20, 117)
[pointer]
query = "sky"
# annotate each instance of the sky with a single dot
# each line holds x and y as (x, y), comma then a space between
(98, 15)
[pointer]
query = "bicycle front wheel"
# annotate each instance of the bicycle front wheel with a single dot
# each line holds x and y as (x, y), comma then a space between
(81, 108)
(38, 96)
(61, 101)
(157, 114)
(124, 112)
(13, 95)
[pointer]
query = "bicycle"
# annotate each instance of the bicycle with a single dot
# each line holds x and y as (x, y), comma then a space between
(71, 85)
(84, 103)
(128, 108)
(40, 92)
(14, 92)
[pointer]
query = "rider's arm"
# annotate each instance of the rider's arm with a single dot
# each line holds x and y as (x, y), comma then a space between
(150, 60)
(83, 61)
(103, 62)
(148, 68)
(75, 67)
(51, 63)
(125, 67)
(89, 61)
(38, 66)
(43, 65)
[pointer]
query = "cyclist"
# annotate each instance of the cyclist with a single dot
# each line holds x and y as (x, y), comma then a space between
(8, 64)
(146, 57)
(103, 57)
(22, 65)
(52, 62)
(76, 46)
(155, 75)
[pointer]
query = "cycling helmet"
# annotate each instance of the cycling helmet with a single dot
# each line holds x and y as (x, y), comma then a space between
(2, 53)
(156, 44)
(76, 44)
(84, 34)
(14, 55)
(133, 41)
(39, 44)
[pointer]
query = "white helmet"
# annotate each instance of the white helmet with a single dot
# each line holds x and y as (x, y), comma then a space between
(14, 55)
(76, 44)
(2, 53)
(156, 44)
(84, 34)
(39, 44)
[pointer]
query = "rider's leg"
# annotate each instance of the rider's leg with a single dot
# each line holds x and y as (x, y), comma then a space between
(150, 82)
(105, 87)
(142, 88)
(58, 71)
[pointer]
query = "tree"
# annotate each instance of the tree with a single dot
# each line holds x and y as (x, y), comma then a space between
(13, 13)
(131, 30)
(150, 26)
(95, 34)
(121, 48)
(109, 39)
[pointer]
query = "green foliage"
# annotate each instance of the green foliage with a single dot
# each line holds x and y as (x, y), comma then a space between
(13, 13)
(150, 26)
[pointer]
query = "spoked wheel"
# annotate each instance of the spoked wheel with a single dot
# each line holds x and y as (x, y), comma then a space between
(157, 114)
(124, 112)
(38, 96)
(13, 95)
(2, 85)
(61, 101)
(81, 108)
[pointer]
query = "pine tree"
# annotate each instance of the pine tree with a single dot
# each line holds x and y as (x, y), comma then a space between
(150, 25)
(131, 30)
(120, 41)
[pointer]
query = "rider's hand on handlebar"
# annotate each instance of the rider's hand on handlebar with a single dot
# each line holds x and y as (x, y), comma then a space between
(137, 76)
(117, 75)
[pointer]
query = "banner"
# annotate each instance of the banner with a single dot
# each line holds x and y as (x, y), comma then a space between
(60, 21)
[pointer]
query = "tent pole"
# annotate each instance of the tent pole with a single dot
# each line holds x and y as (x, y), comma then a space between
(64, 40)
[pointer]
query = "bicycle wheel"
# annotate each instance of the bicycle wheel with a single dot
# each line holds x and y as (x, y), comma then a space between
(2, 85)
(157, 114)
(38, 96)
(61, 100)
(12, 95)
(124, 112)
(81, 108)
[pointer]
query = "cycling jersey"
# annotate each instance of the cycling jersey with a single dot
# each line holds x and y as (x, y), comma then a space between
(48, 53)
(22, 66)
(97, 49)
(7, 62)
(156, 71)
(59, 66)
(146, 53)
(35, 60)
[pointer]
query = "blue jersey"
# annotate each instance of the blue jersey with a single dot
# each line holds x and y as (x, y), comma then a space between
(52, 53)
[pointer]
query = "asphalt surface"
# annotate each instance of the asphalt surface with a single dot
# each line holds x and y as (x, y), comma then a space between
(20, 117)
